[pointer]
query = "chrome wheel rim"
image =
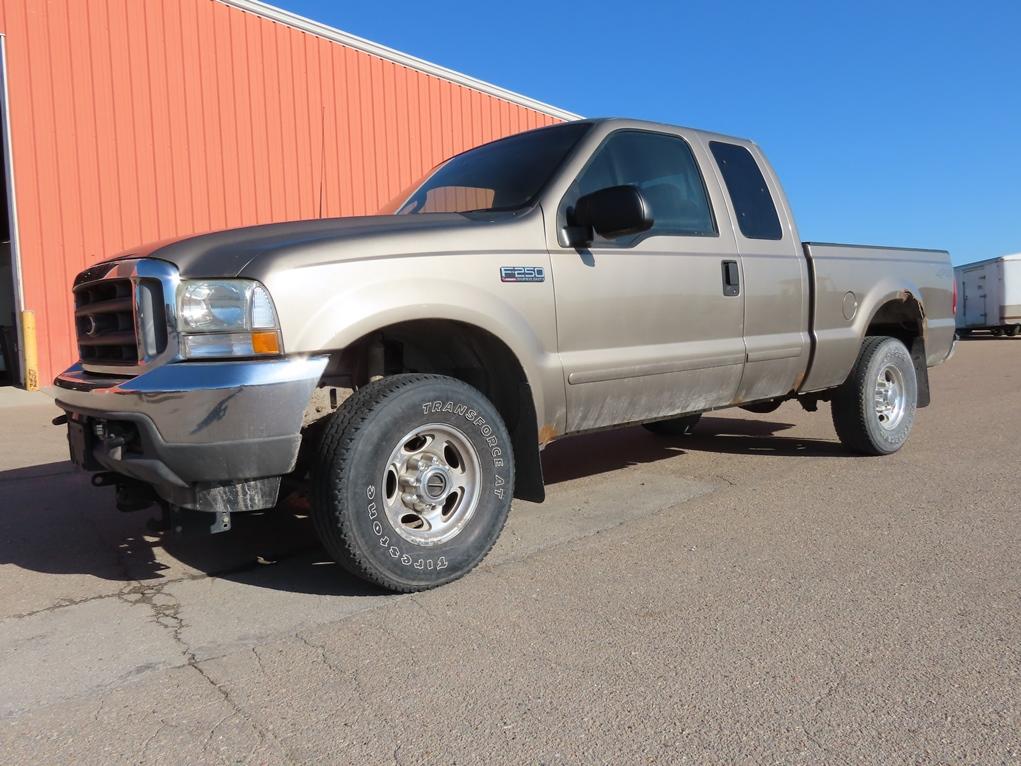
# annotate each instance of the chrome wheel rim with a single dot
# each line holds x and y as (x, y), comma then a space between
(890, 397)
(431, 484)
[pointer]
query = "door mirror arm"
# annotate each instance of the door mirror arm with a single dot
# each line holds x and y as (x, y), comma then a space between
(576, 236)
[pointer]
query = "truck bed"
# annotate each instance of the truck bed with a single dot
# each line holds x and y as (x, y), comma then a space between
(851, 283)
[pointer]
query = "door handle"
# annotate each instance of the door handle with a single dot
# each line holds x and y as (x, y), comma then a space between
(731, 279)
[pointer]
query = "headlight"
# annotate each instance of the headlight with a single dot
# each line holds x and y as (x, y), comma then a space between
(226, 318)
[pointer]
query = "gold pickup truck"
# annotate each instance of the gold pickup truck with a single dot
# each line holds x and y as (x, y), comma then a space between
(406, 369)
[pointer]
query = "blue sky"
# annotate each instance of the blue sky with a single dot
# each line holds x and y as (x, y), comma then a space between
(892, 123)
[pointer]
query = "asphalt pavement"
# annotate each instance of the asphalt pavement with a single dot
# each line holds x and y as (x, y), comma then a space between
(749, 594)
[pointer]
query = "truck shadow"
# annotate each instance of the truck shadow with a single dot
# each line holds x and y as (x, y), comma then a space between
(604, 451)
(734, 436)
(52, 520)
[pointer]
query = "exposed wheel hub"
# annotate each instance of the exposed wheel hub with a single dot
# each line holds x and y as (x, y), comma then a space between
(890, 397)
(425, 482)
(431, 484)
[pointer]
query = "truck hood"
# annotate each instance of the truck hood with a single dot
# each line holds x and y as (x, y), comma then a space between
(258, 250)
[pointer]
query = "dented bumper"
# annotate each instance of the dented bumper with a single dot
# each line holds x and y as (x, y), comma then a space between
(192, 430)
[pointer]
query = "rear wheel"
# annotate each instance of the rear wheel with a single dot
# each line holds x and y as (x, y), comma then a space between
(1013, 330)
(413, 481)
(874, 409)
(682, 426)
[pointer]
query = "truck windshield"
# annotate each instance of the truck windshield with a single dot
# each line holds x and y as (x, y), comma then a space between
(503, 175)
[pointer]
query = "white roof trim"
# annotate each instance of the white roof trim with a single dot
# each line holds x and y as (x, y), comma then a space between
(352, 41)
(1009, 257)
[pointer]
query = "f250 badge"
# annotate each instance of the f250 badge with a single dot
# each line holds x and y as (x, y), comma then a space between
(522, 274)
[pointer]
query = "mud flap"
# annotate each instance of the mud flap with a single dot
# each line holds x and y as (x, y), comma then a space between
(921, 371)
(528, 481)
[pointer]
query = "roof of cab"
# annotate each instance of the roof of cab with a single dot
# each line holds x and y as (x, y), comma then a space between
(627, 122)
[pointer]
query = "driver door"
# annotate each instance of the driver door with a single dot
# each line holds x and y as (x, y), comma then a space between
(645, 329)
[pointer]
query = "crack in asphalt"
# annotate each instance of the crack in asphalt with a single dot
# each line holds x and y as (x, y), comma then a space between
(149, 740)
(166, 612)
(165, 609)
(263, 733)
(60, 603)
(212, 732)
(258, 659)
(134, 582)
(323, 655)
(354, 676)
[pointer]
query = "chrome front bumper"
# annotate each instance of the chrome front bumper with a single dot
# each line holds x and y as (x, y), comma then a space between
(195, 422)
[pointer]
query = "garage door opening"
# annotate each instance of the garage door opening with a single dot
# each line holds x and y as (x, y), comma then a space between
(10, 354)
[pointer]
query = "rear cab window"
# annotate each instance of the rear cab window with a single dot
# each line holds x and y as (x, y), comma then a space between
(749, 193)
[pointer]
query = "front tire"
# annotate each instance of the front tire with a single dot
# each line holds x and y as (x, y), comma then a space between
(874, 409)
(413, 481)
(1012, 330)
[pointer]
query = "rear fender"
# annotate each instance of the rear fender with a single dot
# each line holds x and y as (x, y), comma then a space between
(838, 339)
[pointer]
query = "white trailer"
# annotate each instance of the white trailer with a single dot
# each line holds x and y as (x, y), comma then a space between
(989, 296)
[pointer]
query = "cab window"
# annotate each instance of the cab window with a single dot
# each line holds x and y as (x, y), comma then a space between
(753, 204)
(664, 169)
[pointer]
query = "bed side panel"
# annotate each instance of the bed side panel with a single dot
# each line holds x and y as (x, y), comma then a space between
(851, 283)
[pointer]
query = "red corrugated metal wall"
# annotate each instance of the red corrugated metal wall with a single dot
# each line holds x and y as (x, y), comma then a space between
(135, 121)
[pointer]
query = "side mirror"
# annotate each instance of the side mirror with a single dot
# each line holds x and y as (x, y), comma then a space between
(612, 212)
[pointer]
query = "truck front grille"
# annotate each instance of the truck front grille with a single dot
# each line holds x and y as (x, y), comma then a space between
(119, 321)
(104, 318)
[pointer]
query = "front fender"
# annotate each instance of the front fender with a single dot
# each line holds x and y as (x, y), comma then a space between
(328, 307)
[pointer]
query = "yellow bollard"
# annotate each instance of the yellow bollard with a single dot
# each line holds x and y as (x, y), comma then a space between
(30, 351)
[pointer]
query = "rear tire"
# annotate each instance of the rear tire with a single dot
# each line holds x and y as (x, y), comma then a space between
(682, 426)
(1012, 330)
(874, 409)
(413, 481)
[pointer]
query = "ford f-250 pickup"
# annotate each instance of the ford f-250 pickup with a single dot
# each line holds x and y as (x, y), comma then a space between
(406, 369)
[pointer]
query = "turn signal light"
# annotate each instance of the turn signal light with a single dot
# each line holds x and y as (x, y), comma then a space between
(266, 342)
